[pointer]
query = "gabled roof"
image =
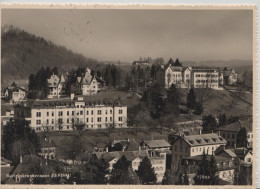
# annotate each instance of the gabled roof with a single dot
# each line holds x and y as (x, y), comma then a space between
(235, 127)
(222, 149)
(241, 152)
(157, 143)
(53, 81)
(203, 139)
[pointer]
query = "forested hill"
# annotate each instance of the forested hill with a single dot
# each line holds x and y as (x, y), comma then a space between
(24, 53)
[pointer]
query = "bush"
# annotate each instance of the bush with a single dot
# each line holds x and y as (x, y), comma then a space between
(198, 109)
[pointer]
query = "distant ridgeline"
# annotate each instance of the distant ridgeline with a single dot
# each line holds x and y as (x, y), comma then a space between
(24, 53)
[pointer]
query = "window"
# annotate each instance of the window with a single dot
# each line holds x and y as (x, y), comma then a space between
(60, 113)
(60, 121)
(47, 113)
(106, 111)
(99, 119)
(52, 114)
(52, 121)
(120, 111)
(92, 112)
(72, 113)
(38, 122)
(120, 119)
(68, 127)
(38, 114)
(99, 126)
(81, 112)
(110, 111)
(87, 112)
(99, 112)
(87, 120)
(47, 122)
(110, 118)
(106, 119)
(68, 113)
(68, 120)
(92, 119)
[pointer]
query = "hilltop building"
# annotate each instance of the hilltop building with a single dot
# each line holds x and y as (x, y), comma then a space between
(14, 93)
(187, 77)
(88, 84)
(230, 131)
(63, 115)
(229, 75)
(55, 86)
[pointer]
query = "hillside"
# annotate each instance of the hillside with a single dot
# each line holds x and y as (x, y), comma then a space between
(24, 53)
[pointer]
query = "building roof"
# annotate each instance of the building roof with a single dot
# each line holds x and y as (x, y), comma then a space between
(235, 127)
(229, 152)
(53, 81)
(67, 103)
(204, 70)
(203, 139)
(241, 152)
(157, 143)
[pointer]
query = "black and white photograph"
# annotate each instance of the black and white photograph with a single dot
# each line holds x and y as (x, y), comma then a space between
(128, 96)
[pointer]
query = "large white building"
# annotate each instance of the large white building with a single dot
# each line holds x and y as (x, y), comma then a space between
(186, 77)
(64, 114)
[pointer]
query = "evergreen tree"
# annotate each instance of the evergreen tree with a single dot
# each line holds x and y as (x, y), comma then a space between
(209, 124)
(242, 138)
(191, 99)
(55, 71)
(222, 120)
(172, 101)
(101, 171)
(31, 85)
(146, 171)
(168, 178)
(207, 172)
(121, 173)
(198, 109)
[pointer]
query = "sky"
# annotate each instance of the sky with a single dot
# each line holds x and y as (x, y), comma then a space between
(126, 35)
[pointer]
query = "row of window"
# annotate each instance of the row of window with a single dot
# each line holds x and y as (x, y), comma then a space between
(206, 81)
(60, 113)
(206, 75)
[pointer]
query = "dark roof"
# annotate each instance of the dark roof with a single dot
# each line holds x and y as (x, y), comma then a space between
(241, 152)
(67, 102)
(204, 139)
(235, 127)
(222, 149)
(204, 70)
(157, 143)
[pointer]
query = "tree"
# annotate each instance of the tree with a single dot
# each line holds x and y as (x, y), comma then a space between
(168, 178)
(55, 71)
(207, 172)
(191, 99)
(172, 101)
(198, 108)
(146, 172)
(222, 120)
(242, 138)
(122, 172)
(101, 171)
(209, 124)
(18, 139)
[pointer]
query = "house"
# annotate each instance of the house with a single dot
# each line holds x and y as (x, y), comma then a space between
(48, 149)
(244, 154)
(122, 145)
(56, 85)
(187, 77)
(155, 145)
(230, 132)
(229, 75)
(225, 152)
(194, 145)
(14, 93)
(6, 169)
(158, 160)
(88, 84)
(226, 167)
(144, 63)
(63, 115)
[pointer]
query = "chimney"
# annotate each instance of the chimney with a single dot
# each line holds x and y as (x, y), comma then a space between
(127, 139)
(21, 159)
(72, 96)
(139, 148)
(235, 145)
(106, 149)
(200, 132)
(219, 133)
